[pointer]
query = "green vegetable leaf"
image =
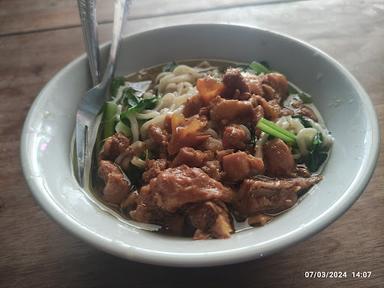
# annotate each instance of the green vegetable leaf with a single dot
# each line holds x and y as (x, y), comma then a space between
(169, 67)
(116, 83)
(258, 68)
(306, 123)
(317, 155)
(143, 105)
(129, 97)
(135, 104)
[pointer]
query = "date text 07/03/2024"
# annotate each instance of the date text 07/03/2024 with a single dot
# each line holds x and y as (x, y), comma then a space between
(337, 274)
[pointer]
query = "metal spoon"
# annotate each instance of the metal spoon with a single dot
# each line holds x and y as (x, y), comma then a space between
(87, 12)
(92, 102)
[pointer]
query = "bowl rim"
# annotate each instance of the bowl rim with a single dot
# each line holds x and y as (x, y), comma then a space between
(353, 192)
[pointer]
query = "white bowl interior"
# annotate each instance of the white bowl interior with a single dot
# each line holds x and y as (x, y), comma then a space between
(343, 104)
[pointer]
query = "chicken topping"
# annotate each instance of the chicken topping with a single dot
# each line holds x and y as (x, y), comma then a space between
(271, 109)
(301, 109)
(278, 159)
(154, 167)
(213, 169)
(279, 84)
(117, 187)
(124, 159)
(190, 157)
(270, 195)
(186, 132)
(212, 144)
(159, 136)
(235, 136)
(114, 146)
(211, 220)
(208, 156)
(175, 187)
(192, 106)
(233, 81)
(253, 83)
(232, 110)
(208, 89)
(240, 165)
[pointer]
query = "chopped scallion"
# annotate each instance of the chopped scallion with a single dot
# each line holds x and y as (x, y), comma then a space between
(274, 130)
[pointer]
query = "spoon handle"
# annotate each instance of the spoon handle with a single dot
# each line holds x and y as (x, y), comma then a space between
(120, 11)
(87, 12)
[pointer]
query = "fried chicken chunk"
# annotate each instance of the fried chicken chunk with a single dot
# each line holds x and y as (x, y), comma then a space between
(240, 165)
(232, 110)
(114, 146)
(278, 159)
(211, 220)
(213, 169)
(279, 85)
(265, 194)
(154, 167)
(192, 106)
(117, 187)
(233, 81)
(190, 157)
(253, 83)
(301, 109)
(175, 187)
(234, 136)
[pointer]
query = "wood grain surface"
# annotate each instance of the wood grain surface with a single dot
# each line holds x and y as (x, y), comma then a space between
(38, 38)
(20, 16)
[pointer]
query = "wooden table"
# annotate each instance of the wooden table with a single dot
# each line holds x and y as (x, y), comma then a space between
(37, 38)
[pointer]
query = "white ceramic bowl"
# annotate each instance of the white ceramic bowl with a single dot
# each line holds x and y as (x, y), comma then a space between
(346, 108)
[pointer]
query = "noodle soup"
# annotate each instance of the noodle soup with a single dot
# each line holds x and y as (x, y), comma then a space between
(203, 149)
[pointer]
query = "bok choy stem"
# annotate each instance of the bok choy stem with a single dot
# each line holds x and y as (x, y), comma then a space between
(109, 119)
